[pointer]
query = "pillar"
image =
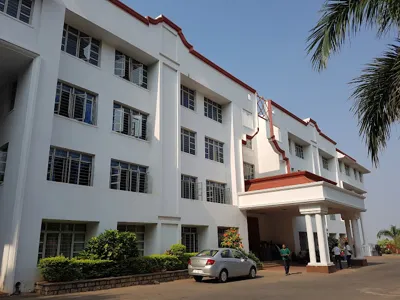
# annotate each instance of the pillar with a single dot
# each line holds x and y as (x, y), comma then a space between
(357, 239)
(348, 231)
(364, 242)
(310, 238)
(322, 238)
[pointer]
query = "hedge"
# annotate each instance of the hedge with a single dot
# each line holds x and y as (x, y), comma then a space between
(59, 269)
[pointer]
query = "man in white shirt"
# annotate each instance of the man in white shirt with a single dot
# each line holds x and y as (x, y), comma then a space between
(348, 253)
(338, 259)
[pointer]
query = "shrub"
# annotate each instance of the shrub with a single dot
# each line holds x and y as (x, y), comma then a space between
(176, 249)
(232, 239)
(56, 269)
(253, 257)
(111, 245)
(166, 262)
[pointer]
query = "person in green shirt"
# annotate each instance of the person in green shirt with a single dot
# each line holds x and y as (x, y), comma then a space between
(285, 254)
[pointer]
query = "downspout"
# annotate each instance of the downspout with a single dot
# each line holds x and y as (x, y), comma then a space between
(272, 139)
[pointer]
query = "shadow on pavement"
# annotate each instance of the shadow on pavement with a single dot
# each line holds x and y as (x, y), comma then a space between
(236, 279)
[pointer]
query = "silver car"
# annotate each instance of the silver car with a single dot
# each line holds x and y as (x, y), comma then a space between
(221, 264)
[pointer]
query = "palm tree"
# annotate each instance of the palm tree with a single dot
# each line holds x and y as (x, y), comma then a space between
(393, 233)
(377, 89)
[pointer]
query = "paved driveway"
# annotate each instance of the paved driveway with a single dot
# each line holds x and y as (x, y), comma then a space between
(380, 280)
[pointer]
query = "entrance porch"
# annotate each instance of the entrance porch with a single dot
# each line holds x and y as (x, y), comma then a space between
(272, 204)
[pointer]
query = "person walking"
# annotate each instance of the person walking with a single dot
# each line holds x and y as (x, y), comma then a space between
(348, 253)
(338, 258)
(285, 254)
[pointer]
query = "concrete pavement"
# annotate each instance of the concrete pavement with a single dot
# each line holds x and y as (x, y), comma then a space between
(380, 280)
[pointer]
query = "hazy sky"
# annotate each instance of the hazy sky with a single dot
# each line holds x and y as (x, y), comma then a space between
(262, 42)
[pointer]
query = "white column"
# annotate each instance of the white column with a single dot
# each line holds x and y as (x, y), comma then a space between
(310, 238)
(348, 232)
(364, 242)
(323, 251)
(357, 238)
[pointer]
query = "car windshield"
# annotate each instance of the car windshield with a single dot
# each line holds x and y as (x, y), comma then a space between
(207, 253)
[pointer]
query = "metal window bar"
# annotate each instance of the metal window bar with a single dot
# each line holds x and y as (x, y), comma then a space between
(3, 163)
(130, 69)
(19, 9)
(217, 193)
(128, 177)
(212, 110)
(188, 98)
(325, 163)
(129, 121)
(190, 239)
(69, 167)
(214, 150)
(299, 151)
(188, 141)
(248, 171)
(139, 231)
(190, 187)
(249, 144)
(80, 45)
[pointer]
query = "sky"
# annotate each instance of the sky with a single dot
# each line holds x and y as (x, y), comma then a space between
(262, 42)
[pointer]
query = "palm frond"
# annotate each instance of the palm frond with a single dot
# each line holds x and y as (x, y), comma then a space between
(386, 233)
(377, 100)
(343, 18)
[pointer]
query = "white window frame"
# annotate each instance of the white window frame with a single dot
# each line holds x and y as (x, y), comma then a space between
(332, 217)
(3, 161)
(355, 174)
(191, 97)
(136, 125)
(361, 177)
(299, 150)
(249, 144)
(70, 157)
(4, 4)
(44, 232)
(247, 119)
(188, 141)
(325, 163)
(290, 146)
(214, 150)
(248, 170)
(75, 93)
(193, 238)
(135, 176)
(139, 230)
(347, 169)
(93, 47)
(190, 188)
(212, 110)
(217, 192)
(126, 67)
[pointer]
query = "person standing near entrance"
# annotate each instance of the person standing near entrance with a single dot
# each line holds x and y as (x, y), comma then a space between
(285, 254)
(338, 258)
(348, 253)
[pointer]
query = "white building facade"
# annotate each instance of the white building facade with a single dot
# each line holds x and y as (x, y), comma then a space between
(119, 123)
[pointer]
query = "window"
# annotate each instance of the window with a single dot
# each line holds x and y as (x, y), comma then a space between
(188, 98)
(128, 177)
(290, 146)
(249, 144)
(3, 161)
(188, 141)
(130, 69)
(19, 9)
(212, 110)
(355, 174)
(347, 170)
(248, 171)
(80, 45)
(67, 239)
(214, 150)
(361, 177)
(303, 241)
(299, 150)
(69, 167)
(139, 230)
(340, 167)
(226, 253)
(217, 192)
(237, 254)
(189, 187)
(128, 121)
(190, 239)
(325, 163)
(75, 104)
(221, 232)
(247, 119)
(332, 217)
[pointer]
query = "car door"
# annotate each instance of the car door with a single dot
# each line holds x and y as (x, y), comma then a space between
(241, 263)
(229, 262)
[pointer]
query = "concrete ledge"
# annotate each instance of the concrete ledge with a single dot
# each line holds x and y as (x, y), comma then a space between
(321, 269)
(359, 262)
(59, 288)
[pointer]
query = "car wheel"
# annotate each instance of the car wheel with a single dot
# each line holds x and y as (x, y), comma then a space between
(198, 278)
(223, 276)
(252, 273)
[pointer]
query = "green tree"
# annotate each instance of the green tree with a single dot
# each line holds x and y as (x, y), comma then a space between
(393, 233)
(376, 93)
(112, 245)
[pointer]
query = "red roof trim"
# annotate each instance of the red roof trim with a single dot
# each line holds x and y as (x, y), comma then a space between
(303, 122)
(149, 20)
(340, 151)
(273, 139)
(307, 174)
